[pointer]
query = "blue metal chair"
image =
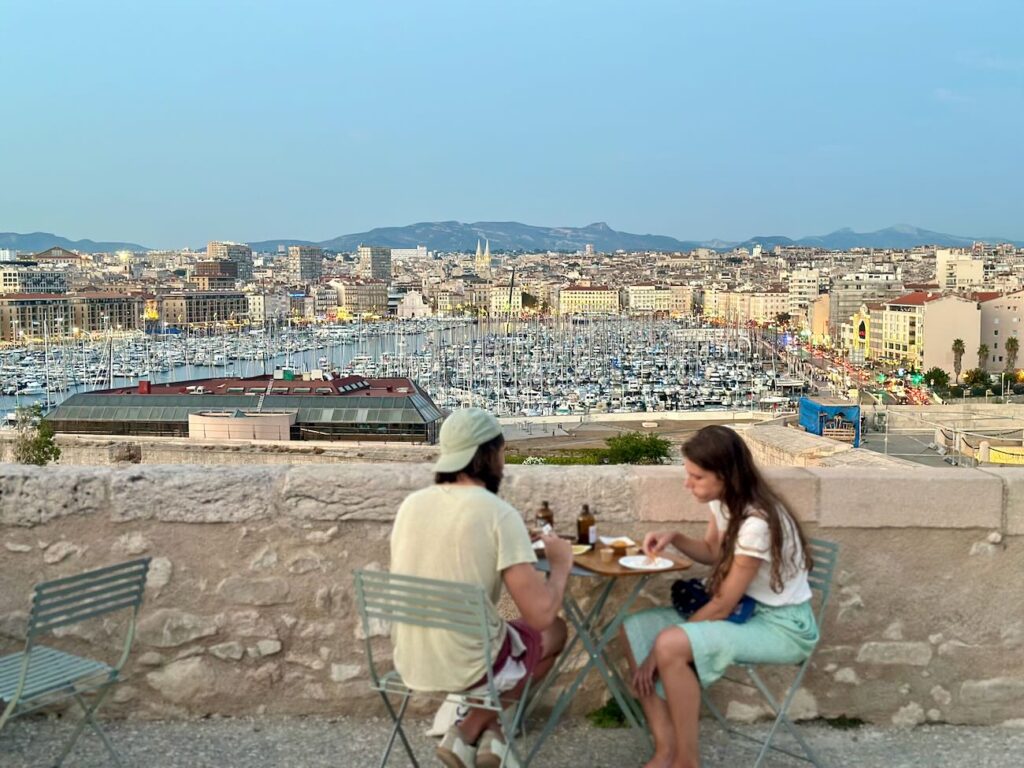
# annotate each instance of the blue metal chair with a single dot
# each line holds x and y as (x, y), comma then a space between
(825, 554)
(40, 676)
(446, 606)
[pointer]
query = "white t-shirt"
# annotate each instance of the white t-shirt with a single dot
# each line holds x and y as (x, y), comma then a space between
(754, 540)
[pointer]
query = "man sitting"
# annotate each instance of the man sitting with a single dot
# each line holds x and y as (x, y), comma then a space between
(459, 530)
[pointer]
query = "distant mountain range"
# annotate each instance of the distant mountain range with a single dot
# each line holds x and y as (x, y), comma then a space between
(513, 236)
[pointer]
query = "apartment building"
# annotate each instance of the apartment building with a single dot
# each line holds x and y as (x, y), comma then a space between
(803, 289)
(239, 253)
(588, 300)
(948, 318)
(358, 297)
(956, 269)
(374, 262)
(265, 307)
(505, 300)
(186, 308)
(680, 300)
(903, 328)
(25, 278)
(1000, 320)
(305, 263)
(646, 299)
(37, 315)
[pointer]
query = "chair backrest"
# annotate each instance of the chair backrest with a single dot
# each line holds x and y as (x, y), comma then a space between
(825, 554)
(446, 605)
(74, 599)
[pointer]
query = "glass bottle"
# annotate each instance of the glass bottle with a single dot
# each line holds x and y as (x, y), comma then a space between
(545, 516)
(586, 527)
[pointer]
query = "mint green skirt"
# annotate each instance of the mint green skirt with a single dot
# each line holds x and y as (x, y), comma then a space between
(773, 635)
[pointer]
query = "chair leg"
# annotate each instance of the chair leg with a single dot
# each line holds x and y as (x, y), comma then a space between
(781, 718)
(87, 719)
(511, 724)
(397, 730)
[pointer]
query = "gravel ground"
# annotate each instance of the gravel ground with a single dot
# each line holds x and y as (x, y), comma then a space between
(340, 743)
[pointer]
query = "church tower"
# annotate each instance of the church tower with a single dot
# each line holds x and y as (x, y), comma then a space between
(482, 263)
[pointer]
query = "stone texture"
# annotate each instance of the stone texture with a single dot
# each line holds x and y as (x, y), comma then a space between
(13, 546)
(160, 570)
(342, 673)
(1012, 480)
(228, 651)
(170, 628)
(34, 495)
(914, 654)
(350, 491)
(184, 682)
(934, 498)
(59, 551)
(658, 495)
(201, 495)
(124, 453)
(305, 561)
(908, 716)
(999, 690)
(246, 591)
(131, 544)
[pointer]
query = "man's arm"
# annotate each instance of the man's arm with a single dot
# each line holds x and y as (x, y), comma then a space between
(539, 600)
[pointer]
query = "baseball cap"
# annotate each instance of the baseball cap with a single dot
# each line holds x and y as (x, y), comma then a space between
(461, 434)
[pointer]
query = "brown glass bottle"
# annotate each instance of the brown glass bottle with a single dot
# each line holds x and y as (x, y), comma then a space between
(545, 516)
(586, 527)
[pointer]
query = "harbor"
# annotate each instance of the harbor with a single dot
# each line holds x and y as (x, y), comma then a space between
(514, 368)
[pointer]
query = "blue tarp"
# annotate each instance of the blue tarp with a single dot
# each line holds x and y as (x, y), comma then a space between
(817, 417)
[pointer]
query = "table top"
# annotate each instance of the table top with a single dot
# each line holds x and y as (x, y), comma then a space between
(589, 565)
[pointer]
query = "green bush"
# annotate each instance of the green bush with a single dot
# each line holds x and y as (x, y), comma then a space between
(637, 448)
(1018, 389)
(978, 391)
(34, 443)
(956, 391)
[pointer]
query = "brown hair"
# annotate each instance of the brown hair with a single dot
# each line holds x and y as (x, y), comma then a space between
(484, 466)
(720, 450)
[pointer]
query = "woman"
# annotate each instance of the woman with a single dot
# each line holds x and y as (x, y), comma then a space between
(755, 547)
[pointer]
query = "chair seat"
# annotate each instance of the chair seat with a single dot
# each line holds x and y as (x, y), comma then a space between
(49, 670)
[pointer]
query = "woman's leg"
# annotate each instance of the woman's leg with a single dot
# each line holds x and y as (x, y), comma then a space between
(674, 655)
(658, 720)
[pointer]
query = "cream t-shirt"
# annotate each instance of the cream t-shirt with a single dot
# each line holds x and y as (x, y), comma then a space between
(754, 540)
(459, 533)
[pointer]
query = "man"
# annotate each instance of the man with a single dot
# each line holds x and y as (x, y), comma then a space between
(459, 530)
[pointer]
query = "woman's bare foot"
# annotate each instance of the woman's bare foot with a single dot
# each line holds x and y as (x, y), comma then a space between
(660, 761)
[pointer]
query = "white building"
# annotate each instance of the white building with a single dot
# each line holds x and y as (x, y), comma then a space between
(412, 306)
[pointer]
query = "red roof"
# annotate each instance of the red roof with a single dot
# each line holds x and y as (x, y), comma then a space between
(986, 295)
(915, 299)
(387, 387)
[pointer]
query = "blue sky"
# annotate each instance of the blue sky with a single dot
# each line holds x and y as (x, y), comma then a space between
(171, 123)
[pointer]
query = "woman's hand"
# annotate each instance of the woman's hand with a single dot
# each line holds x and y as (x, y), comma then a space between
(656, 541)
(643, 678)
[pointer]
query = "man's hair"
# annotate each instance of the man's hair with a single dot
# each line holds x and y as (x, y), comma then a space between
(484, 466)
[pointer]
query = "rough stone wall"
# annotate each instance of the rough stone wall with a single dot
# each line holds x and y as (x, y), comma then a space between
(249, 607)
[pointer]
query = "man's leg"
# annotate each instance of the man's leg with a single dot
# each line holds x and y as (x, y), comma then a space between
(552, 641)
(656, 712)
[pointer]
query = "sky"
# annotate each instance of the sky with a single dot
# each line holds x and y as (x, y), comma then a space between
(173, 123)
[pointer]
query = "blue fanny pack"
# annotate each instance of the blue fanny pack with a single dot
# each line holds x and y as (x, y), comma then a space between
(689, 596)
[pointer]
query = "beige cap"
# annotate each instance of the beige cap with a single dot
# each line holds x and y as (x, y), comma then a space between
(461, 434)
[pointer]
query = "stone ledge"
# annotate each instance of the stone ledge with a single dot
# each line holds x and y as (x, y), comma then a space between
(920, 498)
(1013, 499)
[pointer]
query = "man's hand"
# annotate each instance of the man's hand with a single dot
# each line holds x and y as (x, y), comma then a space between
(558, 552)
(656, 541)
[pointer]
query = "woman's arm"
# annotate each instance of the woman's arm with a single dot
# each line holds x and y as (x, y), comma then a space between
(734, 586)
(704, 551)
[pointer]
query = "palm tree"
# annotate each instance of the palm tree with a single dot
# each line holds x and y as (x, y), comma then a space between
(983, 356)
(958, 355)
(1012, 348)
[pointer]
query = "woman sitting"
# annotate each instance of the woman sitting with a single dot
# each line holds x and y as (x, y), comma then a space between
(755, 548)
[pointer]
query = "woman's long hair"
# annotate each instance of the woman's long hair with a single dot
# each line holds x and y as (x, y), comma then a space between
(720, 450)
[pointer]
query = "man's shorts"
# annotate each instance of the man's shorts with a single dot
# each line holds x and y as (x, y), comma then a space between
(518, 657)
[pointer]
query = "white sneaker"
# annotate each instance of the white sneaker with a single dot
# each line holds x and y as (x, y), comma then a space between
(454, 752)
(493, 750)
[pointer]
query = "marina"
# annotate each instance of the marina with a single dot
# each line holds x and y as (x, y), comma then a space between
(530, 368)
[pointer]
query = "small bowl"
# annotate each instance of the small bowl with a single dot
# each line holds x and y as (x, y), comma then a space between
(606, 555)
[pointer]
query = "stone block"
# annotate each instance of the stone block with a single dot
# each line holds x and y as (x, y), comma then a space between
(170, 628)
(998, 690)
(199, 495)
(246, 591)
(184, 682)
(913, 654)
(342, 673)
(1013, 485)
(351, 491)
(36, 495)
(567, 488)
(925, 498)
(658, 494)
(232, 651)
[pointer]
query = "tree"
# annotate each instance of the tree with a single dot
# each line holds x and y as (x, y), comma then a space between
(1012, 348)
(936, 377)
(782, 319)
(959, 350)
(983, 356)
(976, 377)
(637, 448)
(34, 443)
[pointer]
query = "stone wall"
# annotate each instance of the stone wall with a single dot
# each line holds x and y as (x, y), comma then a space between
(249, 607)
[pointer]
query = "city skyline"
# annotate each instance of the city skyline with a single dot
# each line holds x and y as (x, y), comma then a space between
(185, 124)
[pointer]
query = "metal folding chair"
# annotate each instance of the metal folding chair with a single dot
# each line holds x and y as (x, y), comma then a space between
(41, 676)
(444, 606)
(820, 578)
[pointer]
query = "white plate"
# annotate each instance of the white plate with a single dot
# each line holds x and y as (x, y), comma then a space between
(580, 549)
(642, 563)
